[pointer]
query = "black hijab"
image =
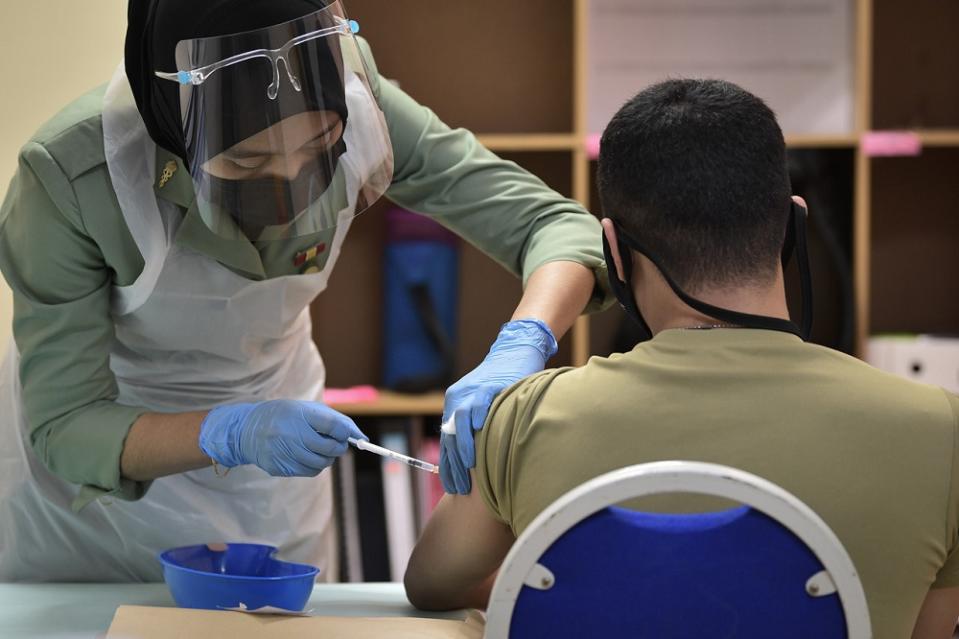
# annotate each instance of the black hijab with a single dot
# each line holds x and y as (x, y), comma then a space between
(155, 27)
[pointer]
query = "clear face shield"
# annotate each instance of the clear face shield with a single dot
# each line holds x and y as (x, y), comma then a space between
(284, 136)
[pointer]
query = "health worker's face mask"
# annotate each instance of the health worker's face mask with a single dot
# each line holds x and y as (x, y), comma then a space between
(256, 203)
(623, 290)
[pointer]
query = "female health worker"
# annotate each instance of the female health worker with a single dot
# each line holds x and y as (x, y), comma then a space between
(164, 237)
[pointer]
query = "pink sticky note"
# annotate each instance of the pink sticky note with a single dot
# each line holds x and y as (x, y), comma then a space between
(891, 143)
(354, 395)
(592, 145)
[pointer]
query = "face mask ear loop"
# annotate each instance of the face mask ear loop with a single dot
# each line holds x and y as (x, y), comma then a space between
(746, 320)
(805, 277)
(623, 290)
(626, 256)
(789, 242)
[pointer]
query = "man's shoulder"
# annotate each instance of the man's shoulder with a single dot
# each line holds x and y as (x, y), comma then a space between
(881, 390)
(639, 376)
(73, 138)
(836, 377)
(524, 396)
(566, 395)
(568, 382)
(598, 375)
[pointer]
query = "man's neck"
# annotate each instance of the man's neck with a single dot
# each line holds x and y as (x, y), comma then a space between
(766, 301)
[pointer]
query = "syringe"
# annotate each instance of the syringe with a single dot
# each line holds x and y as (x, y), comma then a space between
(362, 444)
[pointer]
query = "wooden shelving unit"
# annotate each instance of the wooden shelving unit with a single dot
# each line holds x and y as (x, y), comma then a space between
(523, 91)
(389, 403)
(942, 137)
(794, 141)
(531, 142)
(912, 210)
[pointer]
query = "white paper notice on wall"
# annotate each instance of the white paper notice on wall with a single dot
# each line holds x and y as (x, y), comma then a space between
(798, 55)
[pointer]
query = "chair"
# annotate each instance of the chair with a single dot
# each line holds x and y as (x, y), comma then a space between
(768, 568)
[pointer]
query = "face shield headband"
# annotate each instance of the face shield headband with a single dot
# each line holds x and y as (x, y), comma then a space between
(198, 76)
(795, 239)
(282, 130)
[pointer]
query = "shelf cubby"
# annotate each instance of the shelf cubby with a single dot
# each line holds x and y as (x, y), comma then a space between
(348, 317)
(495, 66)
(915, 57)
(915, 243)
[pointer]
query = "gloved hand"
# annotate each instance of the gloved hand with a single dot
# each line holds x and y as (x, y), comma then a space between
(286, 438)
(521, 349)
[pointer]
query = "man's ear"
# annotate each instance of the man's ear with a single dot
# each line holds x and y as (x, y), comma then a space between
(609, 230)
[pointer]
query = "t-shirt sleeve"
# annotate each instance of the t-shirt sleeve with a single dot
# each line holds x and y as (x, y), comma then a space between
(948, 576)
(499, 445)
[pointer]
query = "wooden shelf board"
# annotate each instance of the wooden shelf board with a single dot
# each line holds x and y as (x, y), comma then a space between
(816, 141)
(939, 137)
(529, 141)
(394, 404)
(808, 141)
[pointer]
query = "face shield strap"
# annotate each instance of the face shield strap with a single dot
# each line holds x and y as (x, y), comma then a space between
(795, 237)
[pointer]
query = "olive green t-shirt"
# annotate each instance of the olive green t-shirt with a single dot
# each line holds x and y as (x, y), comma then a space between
(872, 454)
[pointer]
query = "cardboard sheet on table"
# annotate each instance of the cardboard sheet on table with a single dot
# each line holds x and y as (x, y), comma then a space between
(142, 622)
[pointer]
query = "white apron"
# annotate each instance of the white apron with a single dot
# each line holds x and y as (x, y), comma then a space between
(190, 334)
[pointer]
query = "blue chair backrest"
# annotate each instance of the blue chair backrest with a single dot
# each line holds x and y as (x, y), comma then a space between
(735, 573)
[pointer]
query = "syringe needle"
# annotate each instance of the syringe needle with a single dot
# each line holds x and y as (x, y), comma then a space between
(363, 444)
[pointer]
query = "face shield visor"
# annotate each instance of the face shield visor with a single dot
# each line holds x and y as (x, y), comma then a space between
(284, 136)
(795, 239)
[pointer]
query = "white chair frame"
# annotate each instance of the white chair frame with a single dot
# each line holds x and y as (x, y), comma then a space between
(520, 567)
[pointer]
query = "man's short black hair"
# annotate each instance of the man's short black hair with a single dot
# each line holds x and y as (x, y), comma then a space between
(695, 170)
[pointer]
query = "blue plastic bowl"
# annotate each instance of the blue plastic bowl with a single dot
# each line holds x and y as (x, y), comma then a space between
(207, 576)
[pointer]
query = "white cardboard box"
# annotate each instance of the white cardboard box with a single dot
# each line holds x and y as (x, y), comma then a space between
(921, 358)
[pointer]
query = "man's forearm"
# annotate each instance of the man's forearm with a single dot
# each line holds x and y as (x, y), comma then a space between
(556, 293)
(455, 561)
(937, 617)
(161, 444)
(478, 597)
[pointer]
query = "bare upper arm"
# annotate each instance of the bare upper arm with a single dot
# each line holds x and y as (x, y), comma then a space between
(458, 555)
(464, 543)
(937, 618)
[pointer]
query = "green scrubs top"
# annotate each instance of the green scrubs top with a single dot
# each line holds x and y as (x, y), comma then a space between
(64, 245)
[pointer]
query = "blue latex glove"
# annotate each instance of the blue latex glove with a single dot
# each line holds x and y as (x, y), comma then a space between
(521, 349)
(286, 438)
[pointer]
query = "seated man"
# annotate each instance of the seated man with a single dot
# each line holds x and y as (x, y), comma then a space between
(693, 179)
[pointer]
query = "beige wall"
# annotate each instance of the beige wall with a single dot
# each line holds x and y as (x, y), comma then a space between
(51, 51)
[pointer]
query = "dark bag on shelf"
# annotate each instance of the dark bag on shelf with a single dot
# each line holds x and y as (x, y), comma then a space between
(421, 281)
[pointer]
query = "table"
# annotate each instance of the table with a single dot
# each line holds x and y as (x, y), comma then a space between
(75, 611)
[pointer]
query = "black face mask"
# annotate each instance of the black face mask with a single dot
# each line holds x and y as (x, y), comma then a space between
(257, 203)
(795, 238)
